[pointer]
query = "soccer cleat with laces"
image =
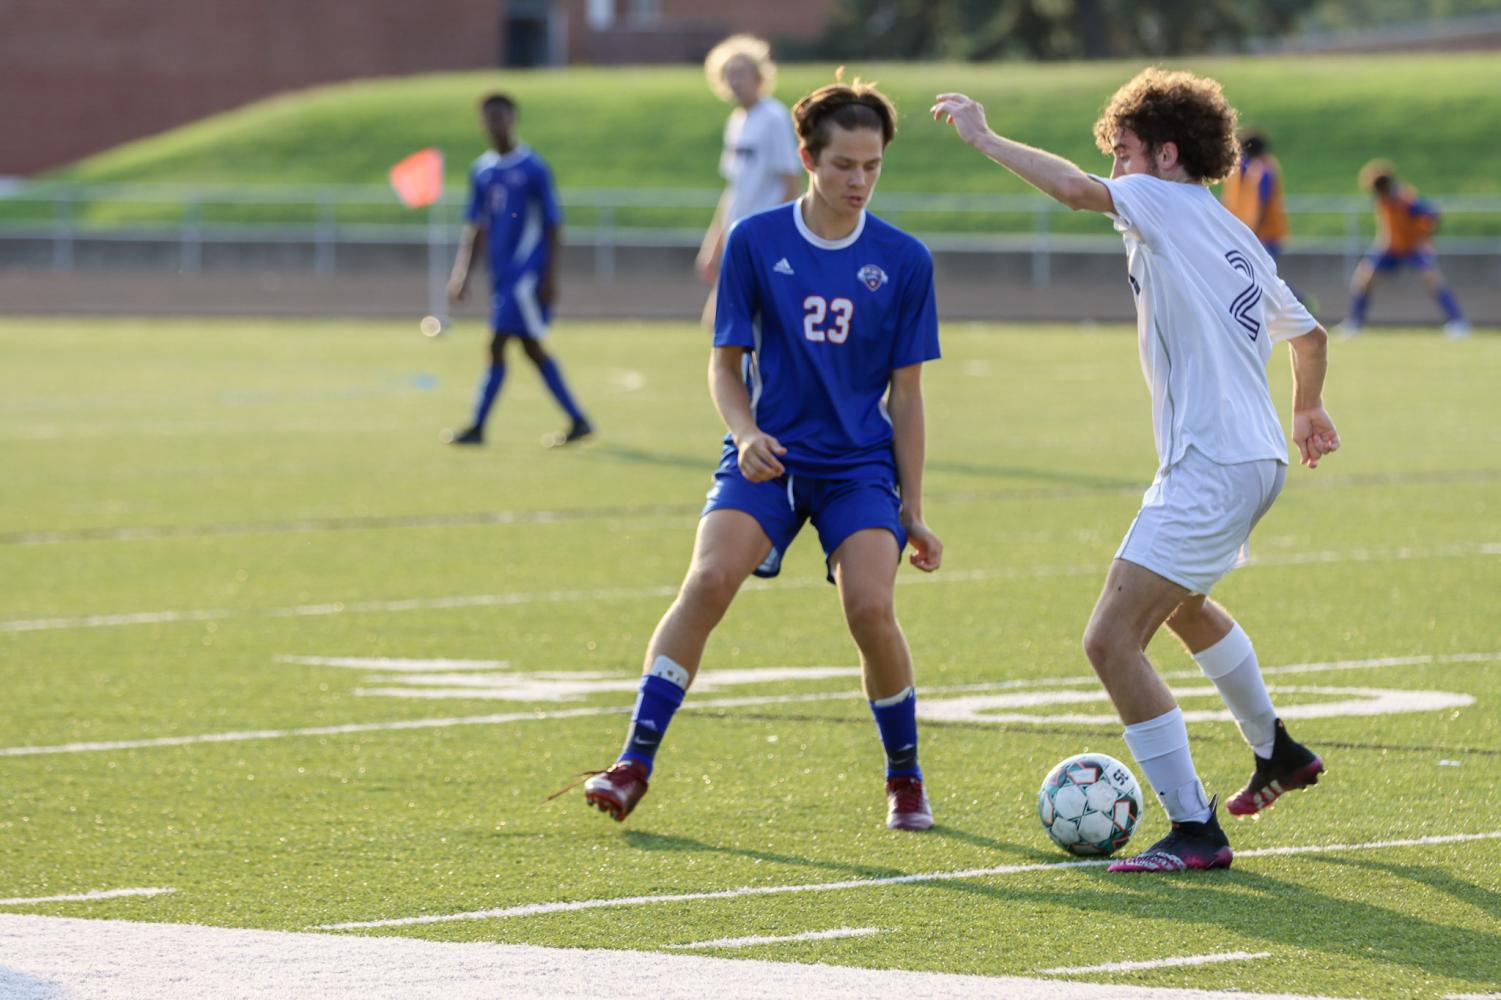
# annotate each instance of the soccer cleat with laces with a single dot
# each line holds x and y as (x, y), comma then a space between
(1190, 846)
(1292, 766)
(617, 790)
(907, 804)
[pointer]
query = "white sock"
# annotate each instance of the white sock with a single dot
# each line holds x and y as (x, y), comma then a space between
(1231, 665)
(1160, 746)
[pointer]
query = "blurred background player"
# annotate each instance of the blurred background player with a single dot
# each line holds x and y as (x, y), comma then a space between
(1209, 307)
(759, 162)
(1405, 225)
(1253, 192)
(515, 219)
(826, 315)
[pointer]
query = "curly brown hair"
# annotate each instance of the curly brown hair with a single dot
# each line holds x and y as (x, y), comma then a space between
(1186, 110)
(850, 106)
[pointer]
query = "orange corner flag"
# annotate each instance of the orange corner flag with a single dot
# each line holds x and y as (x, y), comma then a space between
(418, 179)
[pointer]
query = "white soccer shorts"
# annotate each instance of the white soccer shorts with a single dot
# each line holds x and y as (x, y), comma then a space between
(1196, 518)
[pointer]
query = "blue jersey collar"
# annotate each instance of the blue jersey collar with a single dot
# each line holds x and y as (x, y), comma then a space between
(819, 241)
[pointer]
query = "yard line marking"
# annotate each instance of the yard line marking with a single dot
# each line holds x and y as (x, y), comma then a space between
(1472, 996)
(97, 958)
(536, 909)
(392, 663)
(83, 897)
(1157, 963)
(747, 701)
(749, 942)
(1404, 554)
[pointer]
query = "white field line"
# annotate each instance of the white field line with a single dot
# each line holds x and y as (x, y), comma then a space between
(1157, 963)
(537, 909)
(748, 701)
(389, 663)
(84, 897)
(750, 942)
(1472, 996)
(103, 960)
(1403, 554)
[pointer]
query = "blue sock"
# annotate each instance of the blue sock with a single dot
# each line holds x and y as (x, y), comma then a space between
(657, 700)
(1448, 304)
(489, 388)
(1357, 307)
(553, 376)
(896, 718)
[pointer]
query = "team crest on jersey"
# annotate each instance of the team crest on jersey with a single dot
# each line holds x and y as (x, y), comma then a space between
(873, 276)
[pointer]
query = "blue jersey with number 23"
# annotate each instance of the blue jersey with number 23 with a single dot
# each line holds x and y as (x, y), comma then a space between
(827, 322)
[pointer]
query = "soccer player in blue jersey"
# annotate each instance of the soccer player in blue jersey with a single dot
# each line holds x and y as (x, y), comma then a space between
(514, 217)
(825, 317)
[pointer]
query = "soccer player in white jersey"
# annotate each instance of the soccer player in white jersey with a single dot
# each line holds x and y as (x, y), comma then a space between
(1209, 306)
(826, 316)
(759, 162)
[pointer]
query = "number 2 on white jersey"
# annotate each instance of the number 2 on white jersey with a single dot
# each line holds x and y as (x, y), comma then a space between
(816, 309)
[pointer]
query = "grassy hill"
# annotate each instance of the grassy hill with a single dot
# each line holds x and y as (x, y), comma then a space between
(659, 127)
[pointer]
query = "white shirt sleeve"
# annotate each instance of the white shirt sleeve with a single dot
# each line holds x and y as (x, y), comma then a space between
(1286, 317)
(1142, 205)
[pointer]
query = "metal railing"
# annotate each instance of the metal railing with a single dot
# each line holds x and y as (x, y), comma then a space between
(606, 220)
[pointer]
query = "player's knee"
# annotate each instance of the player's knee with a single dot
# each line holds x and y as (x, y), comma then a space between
(869, 614)
(1101, 643)
(710, 587)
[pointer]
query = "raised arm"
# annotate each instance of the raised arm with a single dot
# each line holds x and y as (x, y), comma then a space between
(1313, 429)
(904, 404)
(1054, 176)
(758, 450)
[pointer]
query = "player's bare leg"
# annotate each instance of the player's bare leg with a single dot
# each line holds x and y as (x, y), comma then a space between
(1224, 653)
(728, 547)
(864, 567)
(1132, 607)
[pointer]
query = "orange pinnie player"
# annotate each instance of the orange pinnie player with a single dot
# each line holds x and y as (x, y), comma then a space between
(1253, 192)
(1404, 236)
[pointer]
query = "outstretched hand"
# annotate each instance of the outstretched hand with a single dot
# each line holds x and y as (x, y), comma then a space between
(1314, 433)
(964, 113)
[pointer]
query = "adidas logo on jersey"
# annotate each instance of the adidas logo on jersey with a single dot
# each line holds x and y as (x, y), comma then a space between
(782, 267)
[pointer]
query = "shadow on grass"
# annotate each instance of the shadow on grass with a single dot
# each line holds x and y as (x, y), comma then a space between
(1259, 908)
(667, 842)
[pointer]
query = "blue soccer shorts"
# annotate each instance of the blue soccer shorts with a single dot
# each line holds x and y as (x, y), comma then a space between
(837, 507)
(515, 309)
(1385, 260)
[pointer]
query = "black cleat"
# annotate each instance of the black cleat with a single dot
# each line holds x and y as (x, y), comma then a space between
(1291, 766)
(580, 429)
(472, 435)
(1190, 846)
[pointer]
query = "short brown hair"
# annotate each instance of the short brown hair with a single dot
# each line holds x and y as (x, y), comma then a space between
(1373, 174)
(848, 105)
(1189, 111)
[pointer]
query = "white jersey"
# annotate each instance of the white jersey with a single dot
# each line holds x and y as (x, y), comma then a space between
(759, 150)
(1209, 307)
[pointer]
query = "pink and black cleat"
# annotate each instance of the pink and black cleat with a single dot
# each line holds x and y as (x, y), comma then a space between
(617, 790)
(1292, 766)
(907, 804)
(1189, 847)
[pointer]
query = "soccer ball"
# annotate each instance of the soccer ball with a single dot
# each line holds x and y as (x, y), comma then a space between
(1089, 804)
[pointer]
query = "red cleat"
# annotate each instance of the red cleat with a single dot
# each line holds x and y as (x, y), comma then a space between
(617, 790)
(907, 804)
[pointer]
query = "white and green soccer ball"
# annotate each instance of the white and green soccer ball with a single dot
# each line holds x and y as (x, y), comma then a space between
(1089, 804)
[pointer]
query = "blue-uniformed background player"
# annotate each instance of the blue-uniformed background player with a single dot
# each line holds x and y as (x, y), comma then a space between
(514, 216)
(825, 318)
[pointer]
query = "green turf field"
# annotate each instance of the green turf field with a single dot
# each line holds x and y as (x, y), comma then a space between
(238, 528)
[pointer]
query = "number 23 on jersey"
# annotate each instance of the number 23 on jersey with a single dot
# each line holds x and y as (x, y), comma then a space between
(816, 309)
